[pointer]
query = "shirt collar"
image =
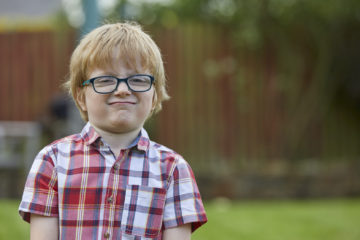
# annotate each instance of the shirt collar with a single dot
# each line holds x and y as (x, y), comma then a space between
(90, 136)
(144, 140)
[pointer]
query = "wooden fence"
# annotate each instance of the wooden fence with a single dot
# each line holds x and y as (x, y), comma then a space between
(229, 113)
(32, 66)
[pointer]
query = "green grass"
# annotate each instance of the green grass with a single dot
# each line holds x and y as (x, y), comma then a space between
(11, 224)
(251, 220)
(278, 220)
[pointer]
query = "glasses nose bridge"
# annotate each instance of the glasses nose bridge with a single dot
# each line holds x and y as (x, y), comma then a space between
(119, 81)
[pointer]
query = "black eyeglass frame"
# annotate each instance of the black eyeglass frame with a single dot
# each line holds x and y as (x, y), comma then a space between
(119, 80)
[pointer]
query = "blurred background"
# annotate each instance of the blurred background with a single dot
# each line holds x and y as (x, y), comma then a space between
(265, 101)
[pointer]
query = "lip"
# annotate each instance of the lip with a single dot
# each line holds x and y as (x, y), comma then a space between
(122, 103)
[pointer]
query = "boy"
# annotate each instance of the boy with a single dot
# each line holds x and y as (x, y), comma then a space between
(110, 181)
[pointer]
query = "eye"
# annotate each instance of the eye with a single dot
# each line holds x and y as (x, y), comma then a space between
(139, 80)
(104, 81)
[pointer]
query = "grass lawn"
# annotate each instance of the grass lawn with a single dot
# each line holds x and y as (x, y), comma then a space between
(282, 220)
(11, 224)
(251, 220)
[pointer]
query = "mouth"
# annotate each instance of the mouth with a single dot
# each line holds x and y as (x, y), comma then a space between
(122, 103)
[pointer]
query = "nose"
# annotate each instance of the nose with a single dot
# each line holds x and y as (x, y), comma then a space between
(122, 89)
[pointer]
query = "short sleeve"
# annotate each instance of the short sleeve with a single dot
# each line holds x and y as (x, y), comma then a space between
(40, 192)
(183, 201)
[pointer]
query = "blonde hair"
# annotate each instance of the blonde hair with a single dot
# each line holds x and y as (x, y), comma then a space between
(95, 50)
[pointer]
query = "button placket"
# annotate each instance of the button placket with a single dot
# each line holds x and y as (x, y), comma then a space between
(110, 198)
(113, 184)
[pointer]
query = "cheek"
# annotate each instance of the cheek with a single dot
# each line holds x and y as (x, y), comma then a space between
(150, 101)
(146, 106)
(94, 102)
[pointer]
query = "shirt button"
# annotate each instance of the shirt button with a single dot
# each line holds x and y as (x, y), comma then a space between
(116, 167)
(106, 235)
(110, 200)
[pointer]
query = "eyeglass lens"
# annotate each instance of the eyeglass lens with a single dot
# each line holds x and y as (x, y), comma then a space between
(108, 84)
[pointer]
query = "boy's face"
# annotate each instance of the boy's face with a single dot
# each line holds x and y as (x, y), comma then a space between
(121, 111)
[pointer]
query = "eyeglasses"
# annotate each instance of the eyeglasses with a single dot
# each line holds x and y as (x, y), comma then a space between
(109, 84)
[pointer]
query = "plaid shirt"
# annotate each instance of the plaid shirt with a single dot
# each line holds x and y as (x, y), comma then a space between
(147, 189)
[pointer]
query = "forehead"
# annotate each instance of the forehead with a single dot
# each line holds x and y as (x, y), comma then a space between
(119, 67)
(134, 61)
(120, 62)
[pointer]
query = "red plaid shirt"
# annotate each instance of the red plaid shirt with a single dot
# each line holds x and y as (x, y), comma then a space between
(147, 189)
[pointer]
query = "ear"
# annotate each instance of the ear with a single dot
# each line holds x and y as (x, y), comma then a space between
(154, 101)
(80, 99)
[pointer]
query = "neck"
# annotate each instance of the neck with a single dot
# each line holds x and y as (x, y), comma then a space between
(118, 141)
